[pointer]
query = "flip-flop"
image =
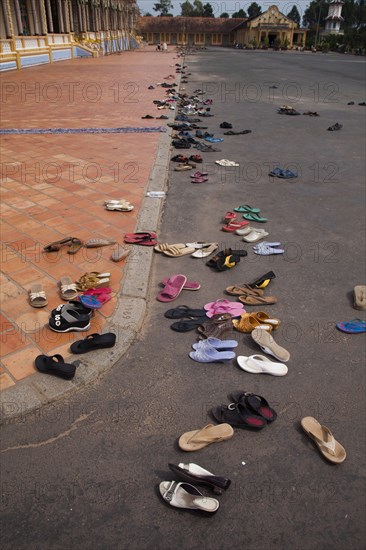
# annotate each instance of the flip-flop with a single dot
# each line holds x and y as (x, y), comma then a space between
(239, 290)
(186, 496)
(249, 300)
(186, 325)
(323, 438)
(267, 344)
(359, 297)
(259, 364)
(233, 226)
(253, 217)
(198, 439)
(172, 289)
(247, 209)
(184, 311)
(256, 403)
(93, 342)
(356, 326)
(189, 285)
(90, 302)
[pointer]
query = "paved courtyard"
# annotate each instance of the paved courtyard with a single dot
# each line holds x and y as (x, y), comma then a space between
(83, 472)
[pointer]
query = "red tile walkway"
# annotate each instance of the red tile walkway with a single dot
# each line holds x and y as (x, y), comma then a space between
(54, 186)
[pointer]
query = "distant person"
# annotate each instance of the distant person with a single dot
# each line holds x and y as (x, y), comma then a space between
(165, 47)
(158, 47)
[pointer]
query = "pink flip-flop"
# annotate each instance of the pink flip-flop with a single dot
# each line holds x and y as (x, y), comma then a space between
(190, 285)
(199, 180)
(199, 174)
(172, 289)
(224, 306)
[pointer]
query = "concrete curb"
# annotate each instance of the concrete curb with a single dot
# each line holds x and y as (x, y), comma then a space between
(38, 390)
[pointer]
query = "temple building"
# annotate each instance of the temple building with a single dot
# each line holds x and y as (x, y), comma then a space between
(334, 18)
(208, 31)
(33, 32)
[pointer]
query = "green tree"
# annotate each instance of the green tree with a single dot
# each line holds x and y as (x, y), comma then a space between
(240, 14)
(198, 8)
(148, 14)
(316, 11)
(187, 9)
(254, 10)
(207, 10)
(225, 15)
(294, 15)
(163, 7)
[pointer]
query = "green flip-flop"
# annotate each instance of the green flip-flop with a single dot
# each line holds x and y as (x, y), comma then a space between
(254, 217)
(248, 209)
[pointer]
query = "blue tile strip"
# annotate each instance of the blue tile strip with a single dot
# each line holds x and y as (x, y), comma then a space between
(82, 130)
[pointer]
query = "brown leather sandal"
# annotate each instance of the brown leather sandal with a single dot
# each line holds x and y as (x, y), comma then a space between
(257, 300)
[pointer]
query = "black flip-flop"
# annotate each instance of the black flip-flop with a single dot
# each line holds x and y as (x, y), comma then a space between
(93, 342)
(216, 483)
(184, 311)
(261, 280)
(55, 365)
(238, 416)
(256, 403)
(187, 325)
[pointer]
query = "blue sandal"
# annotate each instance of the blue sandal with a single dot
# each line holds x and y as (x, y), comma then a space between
(356, 326)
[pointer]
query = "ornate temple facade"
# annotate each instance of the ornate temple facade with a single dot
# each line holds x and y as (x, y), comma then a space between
(33, 32)
(208, 31)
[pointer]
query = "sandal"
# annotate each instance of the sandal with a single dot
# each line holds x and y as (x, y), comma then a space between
(198, 439)
(248, 322)
(195, 474)
(245, 208)
(68, 289)
(172, 289)
(267, 344)
(37, 296)
(323, 438)
(263, 281)
(184, 311)
(205, 251)
(143, 238)
(249, 300)
(186, 496)
(256, 403)
(238, 416)
(165, 246)
(246, 289)
(174, 252)
(215, 327)
(359, 293)
(187, 325)
(253, 217)
(93, 342)
(223, 261)
(75, 245)
(56, 245)
(96, 243)
(55, 365)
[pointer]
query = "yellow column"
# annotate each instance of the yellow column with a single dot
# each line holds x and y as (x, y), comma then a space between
(9, 28)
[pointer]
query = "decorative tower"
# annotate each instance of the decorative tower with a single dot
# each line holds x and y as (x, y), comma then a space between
(334, 19)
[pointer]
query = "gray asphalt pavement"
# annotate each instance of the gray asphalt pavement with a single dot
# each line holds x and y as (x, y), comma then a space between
(83, 473)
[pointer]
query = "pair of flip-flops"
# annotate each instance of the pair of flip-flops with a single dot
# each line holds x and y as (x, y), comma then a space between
(282, 173)
(95, 298)
(142, 238)
(266, 248)
(189, 318)
(248, 410)
(235, 309)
